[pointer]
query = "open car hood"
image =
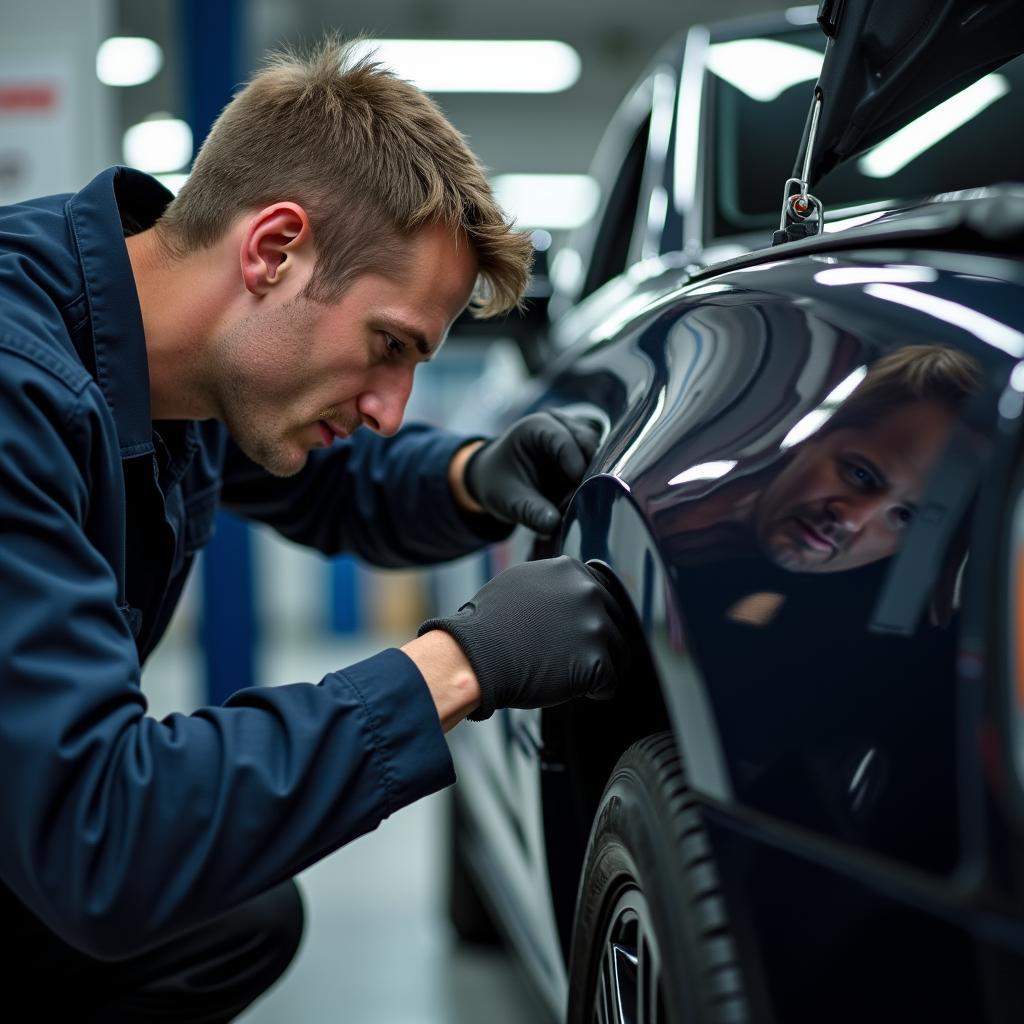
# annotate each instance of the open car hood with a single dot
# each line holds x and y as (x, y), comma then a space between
(889, 61)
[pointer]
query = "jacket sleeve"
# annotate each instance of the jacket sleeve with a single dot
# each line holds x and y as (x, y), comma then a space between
(120, 830)
(385, 499)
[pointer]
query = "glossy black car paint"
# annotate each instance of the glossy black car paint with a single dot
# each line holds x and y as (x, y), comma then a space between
(853, 754)
(839, 768)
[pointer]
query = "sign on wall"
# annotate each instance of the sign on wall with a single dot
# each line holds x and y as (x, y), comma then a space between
(37, 132)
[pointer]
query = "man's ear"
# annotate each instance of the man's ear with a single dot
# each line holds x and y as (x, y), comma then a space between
(273, 239)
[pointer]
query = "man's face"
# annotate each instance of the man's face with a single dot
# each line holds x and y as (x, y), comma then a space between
(845, 499)
(295, 374)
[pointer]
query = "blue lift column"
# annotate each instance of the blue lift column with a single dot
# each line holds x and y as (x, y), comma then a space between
(211, 34)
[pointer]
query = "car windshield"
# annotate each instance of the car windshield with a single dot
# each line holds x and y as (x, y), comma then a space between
(760, 90)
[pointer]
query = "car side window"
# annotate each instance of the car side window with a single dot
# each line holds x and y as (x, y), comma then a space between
(615, 231)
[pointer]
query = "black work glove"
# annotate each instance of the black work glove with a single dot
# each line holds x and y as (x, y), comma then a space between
(540, 634)
(526, 474)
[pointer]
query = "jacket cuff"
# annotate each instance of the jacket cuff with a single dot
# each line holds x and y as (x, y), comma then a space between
(404, 727)
(480, 525)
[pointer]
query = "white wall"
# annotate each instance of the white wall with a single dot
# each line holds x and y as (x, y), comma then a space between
(56, 118)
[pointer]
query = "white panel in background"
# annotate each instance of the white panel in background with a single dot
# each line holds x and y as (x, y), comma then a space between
(53, 143)
(37, 136)
(293, 589)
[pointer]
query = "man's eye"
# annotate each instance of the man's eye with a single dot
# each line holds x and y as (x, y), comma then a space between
(392, 346)
(857, 474)
(902, 517)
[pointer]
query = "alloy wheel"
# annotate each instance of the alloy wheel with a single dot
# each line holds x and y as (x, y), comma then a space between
(628, 981)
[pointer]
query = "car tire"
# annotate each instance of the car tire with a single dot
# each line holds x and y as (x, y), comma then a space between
(651, 940)
(467, 911)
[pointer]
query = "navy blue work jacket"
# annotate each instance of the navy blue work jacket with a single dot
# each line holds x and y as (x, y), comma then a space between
(119, 830)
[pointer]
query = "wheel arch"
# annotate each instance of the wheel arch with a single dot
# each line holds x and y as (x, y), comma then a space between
(583, 740)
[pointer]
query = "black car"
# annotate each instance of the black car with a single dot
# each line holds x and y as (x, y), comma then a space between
(807, 802)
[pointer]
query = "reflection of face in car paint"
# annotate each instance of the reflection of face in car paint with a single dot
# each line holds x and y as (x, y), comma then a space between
(846, 496)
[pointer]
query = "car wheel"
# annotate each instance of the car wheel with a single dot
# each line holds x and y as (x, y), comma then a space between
(651, 941)
(467, 911)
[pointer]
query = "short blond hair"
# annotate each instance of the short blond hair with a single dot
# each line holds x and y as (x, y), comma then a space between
(368, 156)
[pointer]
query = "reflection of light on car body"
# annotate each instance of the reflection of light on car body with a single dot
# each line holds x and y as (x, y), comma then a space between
(704, 471)
(818, 417)
(756, 609)
(873, 275)
(992, 332)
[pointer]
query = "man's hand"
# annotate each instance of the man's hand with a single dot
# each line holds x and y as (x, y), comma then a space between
(539, 634)
(526, 474)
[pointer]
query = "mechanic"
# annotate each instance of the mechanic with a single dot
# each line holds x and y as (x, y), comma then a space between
(250, 343)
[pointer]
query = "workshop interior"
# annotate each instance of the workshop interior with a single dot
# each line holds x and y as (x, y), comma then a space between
(777, 270)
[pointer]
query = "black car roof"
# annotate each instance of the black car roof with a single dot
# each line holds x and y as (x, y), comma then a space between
(986, 220)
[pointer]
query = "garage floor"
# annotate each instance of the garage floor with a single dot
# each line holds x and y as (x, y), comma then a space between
(377, 947)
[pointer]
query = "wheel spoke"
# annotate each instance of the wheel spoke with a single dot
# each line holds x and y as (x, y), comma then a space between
(626, 986)
(625, 989)
(609, 987)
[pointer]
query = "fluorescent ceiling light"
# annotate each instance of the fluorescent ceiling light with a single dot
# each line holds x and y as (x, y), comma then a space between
(920, 135)
(552, 201)
(567, 270)
(541, 240)
(159, 145)
(479, 65)
(172, 182)
(763, 68)
(982, 327)
(128, 60)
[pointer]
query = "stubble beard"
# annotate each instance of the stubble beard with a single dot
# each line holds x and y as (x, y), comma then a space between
(269, 451)
(260, 340)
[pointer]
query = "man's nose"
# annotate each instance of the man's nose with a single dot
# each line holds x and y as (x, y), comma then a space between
(853, 512)
(383, 406)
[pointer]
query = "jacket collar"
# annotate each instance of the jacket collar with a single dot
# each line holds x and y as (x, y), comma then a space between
(116, 201)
